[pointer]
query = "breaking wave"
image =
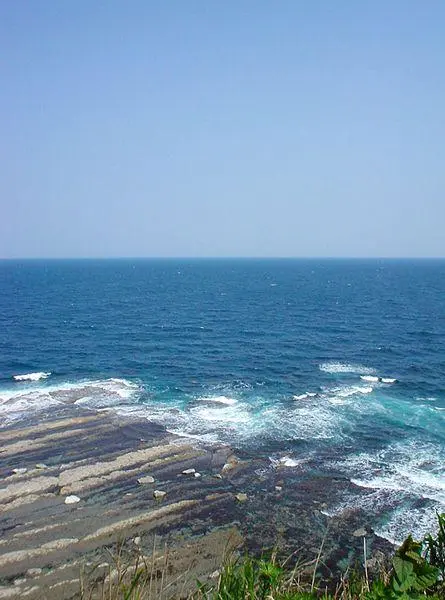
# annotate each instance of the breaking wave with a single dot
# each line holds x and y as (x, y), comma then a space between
(403, 479)
(17, 404)
(338, 367)
(31, 376)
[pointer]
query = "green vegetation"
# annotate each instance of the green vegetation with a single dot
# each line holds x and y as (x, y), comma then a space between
(417, 572)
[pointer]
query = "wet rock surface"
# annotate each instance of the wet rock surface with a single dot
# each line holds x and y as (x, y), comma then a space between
(115, 469)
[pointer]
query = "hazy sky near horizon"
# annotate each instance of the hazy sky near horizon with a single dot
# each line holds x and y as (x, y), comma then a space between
(235, 128)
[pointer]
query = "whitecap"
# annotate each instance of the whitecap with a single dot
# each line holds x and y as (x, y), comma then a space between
(370, 378)
(338, 367)
(388, 380)
(15, 404)
(219, 400)
(31, 376)
(305, 395)
(350, 390)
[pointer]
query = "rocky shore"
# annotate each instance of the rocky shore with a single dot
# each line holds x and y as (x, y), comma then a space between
(77, 487)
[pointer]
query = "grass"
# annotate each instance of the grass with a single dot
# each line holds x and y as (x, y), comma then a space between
(417, 572)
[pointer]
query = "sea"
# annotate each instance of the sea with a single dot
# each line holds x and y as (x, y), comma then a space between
(337, 365)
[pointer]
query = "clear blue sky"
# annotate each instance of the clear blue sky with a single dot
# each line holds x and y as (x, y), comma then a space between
(222, 128)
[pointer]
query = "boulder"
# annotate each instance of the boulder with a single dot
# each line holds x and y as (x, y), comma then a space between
(241, 497)
(146, 479)
(72, 499)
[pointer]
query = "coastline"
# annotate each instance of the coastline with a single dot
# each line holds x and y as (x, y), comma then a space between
(99, 458)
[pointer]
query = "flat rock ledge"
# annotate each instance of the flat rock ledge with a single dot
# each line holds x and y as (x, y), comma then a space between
(144, 494)
(76, 486)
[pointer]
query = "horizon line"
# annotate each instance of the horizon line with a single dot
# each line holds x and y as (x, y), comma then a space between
(241, 257)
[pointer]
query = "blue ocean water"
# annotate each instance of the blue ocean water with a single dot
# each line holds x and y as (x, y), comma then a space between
(336, 365)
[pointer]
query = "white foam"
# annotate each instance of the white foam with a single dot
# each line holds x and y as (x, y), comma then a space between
(305, 396)
(122, 387)
(340, 395)
(398, 478)
(338, 367)
(220, 400)
(416, 522)
(352, 390)
(388, 380)
(425, 484)
(337, 401)
(371, 378)
(223, 419)
(31, 376)
(227, 414)
(15, 404)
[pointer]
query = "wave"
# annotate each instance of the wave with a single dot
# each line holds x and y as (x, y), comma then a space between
(254, 419)
(31, 376)
(225, 414)
(338, 367)
(351, 390)
(413, 466)
(305, 396)
(220, 400)
(17, 404)
(375, 379)
(399, 479)
(346, 394)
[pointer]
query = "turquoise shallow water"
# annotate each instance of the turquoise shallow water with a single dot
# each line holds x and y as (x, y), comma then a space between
(332, 365)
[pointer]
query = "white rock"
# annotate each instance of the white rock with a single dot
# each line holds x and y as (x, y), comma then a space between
(241, 497)
(72, 499)
(188, 472)
(41, 466)
(159, 494)
(198, 475)
(146, 479)
(360, 532)
(19, 581)
(137, 541)
(34, 572)
(19, 471)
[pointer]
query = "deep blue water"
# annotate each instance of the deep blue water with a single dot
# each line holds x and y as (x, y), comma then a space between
(278, 357)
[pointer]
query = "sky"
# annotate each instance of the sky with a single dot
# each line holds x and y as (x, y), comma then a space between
(222, 128)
